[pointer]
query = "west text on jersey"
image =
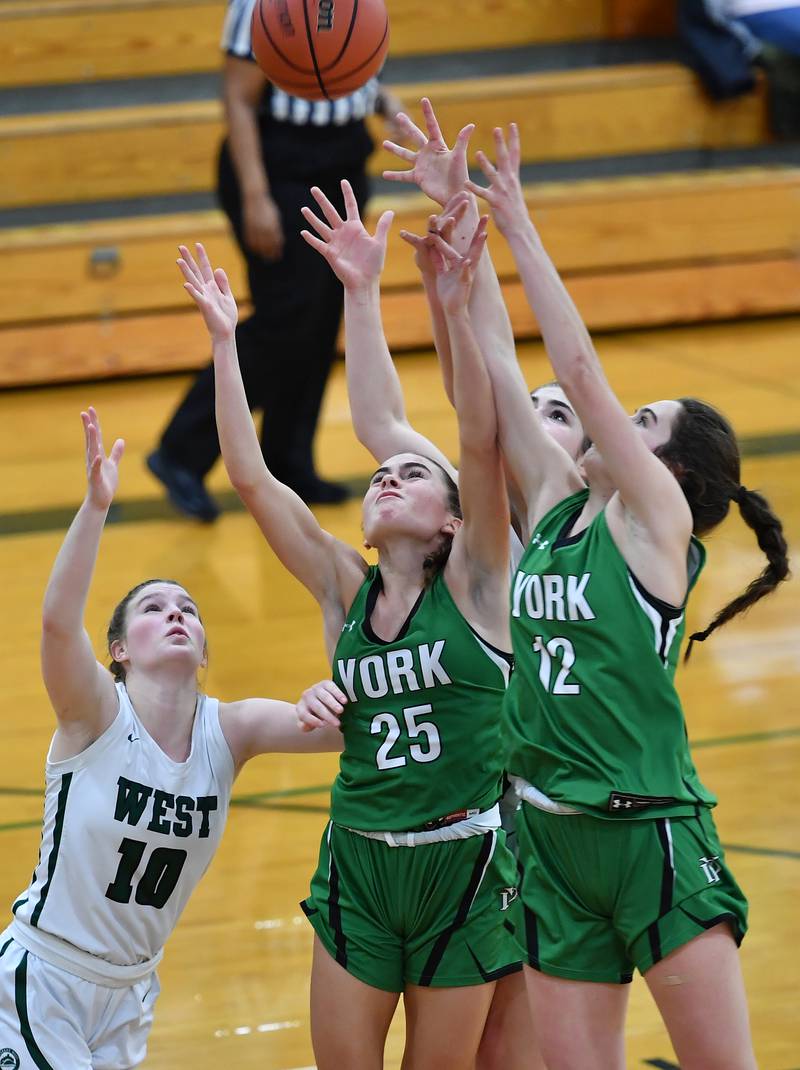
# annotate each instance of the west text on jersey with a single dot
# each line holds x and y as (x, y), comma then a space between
(164, 812)
(551, 597)
(396, 671)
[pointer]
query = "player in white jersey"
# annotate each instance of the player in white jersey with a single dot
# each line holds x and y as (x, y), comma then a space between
(138, 781)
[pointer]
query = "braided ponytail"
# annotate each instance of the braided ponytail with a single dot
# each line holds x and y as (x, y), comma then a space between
(703, 455)
(757, 514)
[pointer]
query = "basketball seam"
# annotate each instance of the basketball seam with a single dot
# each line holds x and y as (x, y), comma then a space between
(286, 60)
(312, 50)
(349, 34)
(317, 71)
(348, 74)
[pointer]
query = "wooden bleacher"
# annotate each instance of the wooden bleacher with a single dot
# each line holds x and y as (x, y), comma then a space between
(105, 153)
(102, 298)
(629, 248)
(49, 41)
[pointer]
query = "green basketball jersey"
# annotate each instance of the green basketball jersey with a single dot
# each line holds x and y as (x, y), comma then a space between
(592, 718)
(422, 726)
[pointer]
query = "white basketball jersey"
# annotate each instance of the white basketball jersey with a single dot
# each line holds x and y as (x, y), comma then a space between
(127, 835)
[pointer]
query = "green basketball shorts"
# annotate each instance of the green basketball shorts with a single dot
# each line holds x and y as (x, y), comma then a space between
(440, 914)
(602, 897)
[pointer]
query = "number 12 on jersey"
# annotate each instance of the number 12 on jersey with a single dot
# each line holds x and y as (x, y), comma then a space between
(414, 730)
(561, 651)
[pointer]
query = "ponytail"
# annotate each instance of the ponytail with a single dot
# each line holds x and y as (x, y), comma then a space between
(757, 514)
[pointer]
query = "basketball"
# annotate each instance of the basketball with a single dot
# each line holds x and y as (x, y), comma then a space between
(320, 49)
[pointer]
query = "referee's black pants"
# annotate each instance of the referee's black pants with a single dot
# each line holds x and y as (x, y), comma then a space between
(286, 347)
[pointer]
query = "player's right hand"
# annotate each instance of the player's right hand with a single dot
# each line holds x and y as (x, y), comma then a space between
(320, 704)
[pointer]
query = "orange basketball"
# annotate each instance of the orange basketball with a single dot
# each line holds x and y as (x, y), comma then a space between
(320, 49)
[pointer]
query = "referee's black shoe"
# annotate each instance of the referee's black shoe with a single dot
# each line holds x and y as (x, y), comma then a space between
(184, 488)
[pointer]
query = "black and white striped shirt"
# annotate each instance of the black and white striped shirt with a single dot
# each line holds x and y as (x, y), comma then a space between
(284, 108)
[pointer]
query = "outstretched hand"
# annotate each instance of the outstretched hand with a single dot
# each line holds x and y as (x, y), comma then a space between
(319, 705)
(454, 271)
(438, 170)
(355, 256)
(102, 472)
(211, 292)
(504, 194)
(424, 246)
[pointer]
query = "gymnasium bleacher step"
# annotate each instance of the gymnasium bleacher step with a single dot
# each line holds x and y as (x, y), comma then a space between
(111, 152)
(85, 40)
(630, 250)
(624, 154)
(162, 343)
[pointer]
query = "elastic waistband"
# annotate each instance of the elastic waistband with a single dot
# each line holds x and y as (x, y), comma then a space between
(529, 794)
(474, 825)
(78, 962)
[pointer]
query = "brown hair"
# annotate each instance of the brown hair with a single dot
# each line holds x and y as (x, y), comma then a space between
(117, 624)
(435, 561)
(703, 455)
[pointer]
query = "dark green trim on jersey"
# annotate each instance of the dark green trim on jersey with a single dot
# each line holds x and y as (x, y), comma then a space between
(667, 888)
(531, 936)
(61, 808)
(372, 597)
(335, 910)
(4, 948)
(709, 923)
(21, 1000)
(478, 870)
(501, 971)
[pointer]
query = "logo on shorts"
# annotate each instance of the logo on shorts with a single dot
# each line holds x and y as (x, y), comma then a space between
(507, 897)
(9, 1060)
(710, 866)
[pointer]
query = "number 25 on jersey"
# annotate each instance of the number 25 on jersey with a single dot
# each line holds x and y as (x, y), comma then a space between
(415, 729)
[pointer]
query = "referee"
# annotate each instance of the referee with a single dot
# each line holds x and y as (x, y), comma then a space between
(277, 146)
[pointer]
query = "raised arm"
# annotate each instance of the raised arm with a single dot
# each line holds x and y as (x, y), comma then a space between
(442, 174)
(80, 688)
(376, 397)
(331, 570)
(646, 486)
(477, 568)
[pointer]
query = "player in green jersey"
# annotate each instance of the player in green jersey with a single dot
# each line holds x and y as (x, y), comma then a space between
(415, 883)
(622, 865)
(381, 423)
